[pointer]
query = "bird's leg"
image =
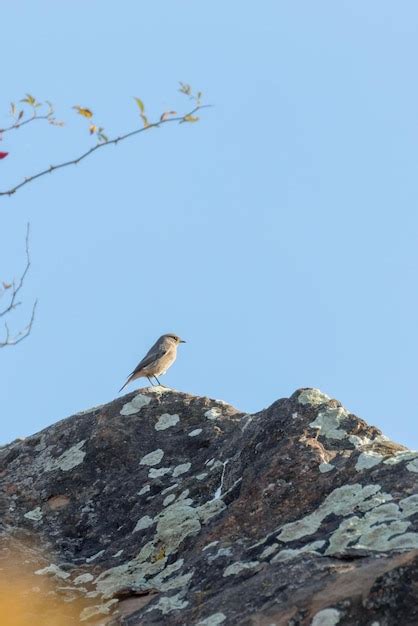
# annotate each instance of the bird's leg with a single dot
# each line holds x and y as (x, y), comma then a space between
(150, 381)
(158, 381)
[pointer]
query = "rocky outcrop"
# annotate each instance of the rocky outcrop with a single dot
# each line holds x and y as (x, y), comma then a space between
(164, 508)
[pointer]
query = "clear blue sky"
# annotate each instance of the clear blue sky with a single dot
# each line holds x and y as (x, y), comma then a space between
(278, 236)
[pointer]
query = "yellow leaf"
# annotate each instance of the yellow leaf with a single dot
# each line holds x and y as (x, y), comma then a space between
(92, 129)
(190, 118)
(29, 99)
(83, 111)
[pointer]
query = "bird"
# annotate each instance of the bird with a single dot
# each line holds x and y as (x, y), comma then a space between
(157, 360)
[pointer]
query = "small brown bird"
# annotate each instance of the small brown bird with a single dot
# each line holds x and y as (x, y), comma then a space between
(157, 360)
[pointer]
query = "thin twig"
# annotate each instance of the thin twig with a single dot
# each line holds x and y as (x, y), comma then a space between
(115, 141)
(13, 341)
(16, 288)
(19, 124)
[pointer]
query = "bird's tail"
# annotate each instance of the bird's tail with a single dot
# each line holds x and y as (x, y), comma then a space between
(123, 386)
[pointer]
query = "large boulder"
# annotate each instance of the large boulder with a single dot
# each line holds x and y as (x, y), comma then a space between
(165, 508)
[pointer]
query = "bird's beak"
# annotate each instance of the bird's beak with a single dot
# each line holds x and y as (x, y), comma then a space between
(182, 341)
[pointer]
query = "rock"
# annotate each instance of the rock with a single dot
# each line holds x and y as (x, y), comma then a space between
(164, 508)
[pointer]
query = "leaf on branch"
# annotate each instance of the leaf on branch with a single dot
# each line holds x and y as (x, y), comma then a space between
(29, 100)
(83, 111)
(21, 114)
(190, 118)
(185, 88)
(145, 120)
(12, 109)
(3, 155)
(140, 105)
(166, 115)
(7, 285)
(101, 136)
(92, 129)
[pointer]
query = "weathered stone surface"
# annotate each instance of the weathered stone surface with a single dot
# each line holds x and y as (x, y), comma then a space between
(164, 508)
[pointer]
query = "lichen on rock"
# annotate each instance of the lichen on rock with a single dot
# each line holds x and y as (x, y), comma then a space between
(162, 508)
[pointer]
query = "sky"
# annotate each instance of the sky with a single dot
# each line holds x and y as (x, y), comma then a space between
(277, 236)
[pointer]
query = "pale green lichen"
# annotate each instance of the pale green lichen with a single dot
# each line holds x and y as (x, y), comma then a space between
(181, 469)
(136, 404)
(35, 515)
(313, 396)
(82, 579)
(68, 459)
(269, 551)
(178, 521)
(287, 554)
(169, 499)
(169, 603)
(213, 620)
(178, 582)
(194, 433)
(212, 544)
(175, 523)
(153, 458)
(413, 466)
(341, 501)
(98, 609)
(95, 556)
(239, 566)
(213, 413)
(53, 570)
(401, 455)
(118, 553)
(329, 423)
(144, 490)
(366, 460)
(326, 467)
(382, 528)
(157, 473)
(144, 522)
(220, 553)
(170, 488)
(210, 509)
(359, 442)
(166, 421)
(326, 617)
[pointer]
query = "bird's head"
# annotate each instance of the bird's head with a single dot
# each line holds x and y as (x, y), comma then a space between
(174, 338)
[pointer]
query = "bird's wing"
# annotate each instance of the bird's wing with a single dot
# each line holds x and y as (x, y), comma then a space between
(156, 352)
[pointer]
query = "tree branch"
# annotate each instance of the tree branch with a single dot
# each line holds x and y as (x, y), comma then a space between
(188, 117)
(19, 124)
(12, 340)
(21, 335)
(16, 288)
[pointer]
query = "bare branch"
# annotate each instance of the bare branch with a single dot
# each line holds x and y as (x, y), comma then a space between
(188, 117)
(21, 335)
(17, 125)
(15, 288)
